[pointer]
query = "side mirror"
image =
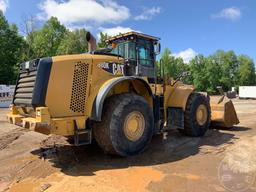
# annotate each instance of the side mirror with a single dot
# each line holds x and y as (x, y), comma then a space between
(157, 48)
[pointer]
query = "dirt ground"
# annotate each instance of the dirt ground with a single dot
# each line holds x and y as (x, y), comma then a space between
(222, 160)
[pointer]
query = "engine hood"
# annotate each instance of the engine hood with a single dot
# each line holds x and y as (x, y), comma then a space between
(87, 56)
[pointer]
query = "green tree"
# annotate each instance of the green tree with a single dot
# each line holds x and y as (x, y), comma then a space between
(173, 67)
(213, 75)
(102, 41)
(11, 48)
(229, 68)
(48, 39)
(73, 42)
(198, 72)
(205, 73)
(28, 28)
(165, 59)
(246, 71)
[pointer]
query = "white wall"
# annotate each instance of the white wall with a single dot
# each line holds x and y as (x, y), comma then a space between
(247, 92)
(6, 89)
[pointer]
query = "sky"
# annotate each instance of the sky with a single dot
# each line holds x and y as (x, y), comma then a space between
(186, 27)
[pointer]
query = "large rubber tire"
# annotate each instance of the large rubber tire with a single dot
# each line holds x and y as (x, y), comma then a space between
(191, 125)
(109, 133)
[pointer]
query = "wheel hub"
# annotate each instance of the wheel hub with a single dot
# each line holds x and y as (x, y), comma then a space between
(201, 114)
(134, 126)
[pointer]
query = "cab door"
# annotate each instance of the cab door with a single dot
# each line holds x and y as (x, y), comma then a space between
(146, 58)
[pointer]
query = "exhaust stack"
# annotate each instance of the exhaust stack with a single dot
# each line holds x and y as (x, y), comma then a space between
(91, 42)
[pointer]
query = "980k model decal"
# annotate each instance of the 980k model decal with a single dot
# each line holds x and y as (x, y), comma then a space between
(111, 67)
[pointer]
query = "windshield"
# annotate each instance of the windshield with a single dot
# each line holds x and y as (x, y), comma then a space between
(142, 51)
(125, 50)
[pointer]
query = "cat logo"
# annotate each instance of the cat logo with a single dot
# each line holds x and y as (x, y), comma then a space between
(118, 69)
(111, 67)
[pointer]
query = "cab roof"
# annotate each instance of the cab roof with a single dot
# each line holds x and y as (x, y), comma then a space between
(133, 33)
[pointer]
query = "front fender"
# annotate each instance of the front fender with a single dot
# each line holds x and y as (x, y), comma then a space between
(179, 96)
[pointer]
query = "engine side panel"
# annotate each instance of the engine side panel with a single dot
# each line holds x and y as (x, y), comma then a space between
(74, 83)
(68, 85)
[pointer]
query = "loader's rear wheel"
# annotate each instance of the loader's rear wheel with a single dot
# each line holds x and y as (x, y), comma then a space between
(126, 127)
(197, 115)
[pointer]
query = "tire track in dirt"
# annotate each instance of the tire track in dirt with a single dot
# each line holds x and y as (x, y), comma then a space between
(9, 137)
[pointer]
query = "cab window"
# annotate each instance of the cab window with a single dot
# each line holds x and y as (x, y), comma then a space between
(130, 51)
(121, 50)
(126, 50)
(145, 52)
(142, 49)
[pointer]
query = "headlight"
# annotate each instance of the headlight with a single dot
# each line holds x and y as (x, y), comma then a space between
(27, 65)
(38, 113)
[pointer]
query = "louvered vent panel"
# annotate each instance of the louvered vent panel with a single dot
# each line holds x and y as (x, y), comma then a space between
(79, 87)
(25, 87)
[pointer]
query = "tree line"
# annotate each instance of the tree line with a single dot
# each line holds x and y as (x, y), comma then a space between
(51, 39)
(224, 69)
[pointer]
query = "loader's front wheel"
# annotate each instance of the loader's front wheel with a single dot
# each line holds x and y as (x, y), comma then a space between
(197, 115)
(126, 127)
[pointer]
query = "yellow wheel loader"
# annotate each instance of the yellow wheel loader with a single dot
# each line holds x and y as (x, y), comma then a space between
(112, 95)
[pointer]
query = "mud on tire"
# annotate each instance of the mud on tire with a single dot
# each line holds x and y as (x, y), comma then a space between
(109, 133)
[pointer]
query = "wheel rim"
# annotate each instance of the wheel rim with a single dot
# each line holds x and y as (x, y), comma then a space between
(201, 114)
(134, 126)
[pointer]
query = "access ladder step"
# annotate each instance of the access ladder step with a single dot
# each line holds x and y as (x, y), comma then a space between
(82, 131)
(82, 136)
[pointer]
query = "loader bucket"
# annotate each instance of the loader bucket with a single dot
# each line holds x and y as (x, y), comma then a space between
(223, 112)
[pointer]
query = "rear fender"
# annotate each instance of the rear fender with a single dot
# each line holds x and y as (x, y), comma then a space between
(106, 89)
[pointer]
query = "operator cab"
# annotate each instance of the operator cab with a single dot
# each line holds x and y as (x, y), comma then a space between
(139, 52)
